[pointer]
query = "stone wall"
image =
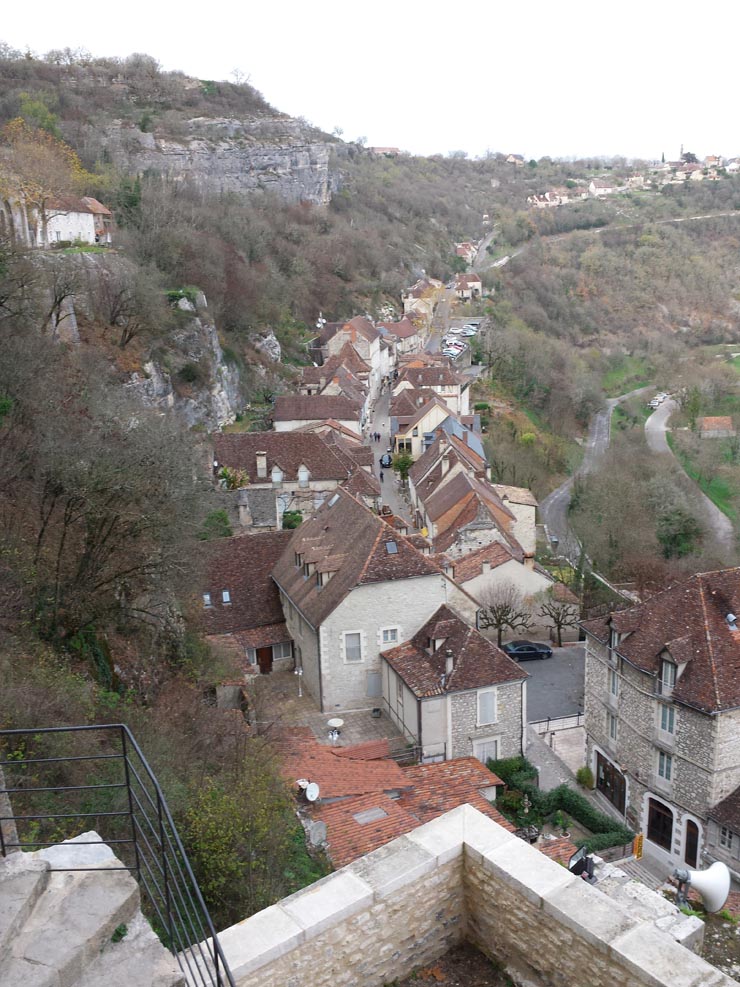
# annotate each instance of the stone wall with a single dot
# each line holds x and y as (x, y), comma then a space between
(459, 877)
(507, 729)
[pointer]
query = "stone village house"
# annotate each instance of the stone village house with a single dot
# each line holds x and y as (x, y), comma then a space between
(454, 693)
(662, 704)
(351, 587)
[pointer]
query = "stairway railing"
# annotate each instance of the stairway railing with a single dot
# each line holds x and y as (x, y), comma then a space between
(130, 814)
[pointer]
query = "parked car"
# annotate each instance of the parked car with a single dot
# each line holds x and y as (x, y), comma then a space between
(469, 325)
(523, 650)
(454, 330)
(469, 332)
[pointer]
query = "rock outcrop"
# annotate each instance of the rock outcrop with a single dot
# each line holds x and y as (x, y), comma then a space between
(275, 154)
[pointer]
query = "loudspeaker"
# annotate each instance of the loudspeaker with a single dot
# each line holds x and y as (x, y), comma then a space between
(712, 884)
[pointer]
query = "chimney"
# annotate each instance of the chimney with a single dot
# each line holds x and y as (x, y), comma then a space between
(486, 568)
(322, 382)
(445, 464)
(449, 662)
(261, 464)
(529, 561)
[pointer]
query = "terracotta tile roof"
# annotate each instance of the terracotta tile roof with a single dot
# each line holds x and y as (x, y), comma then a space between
(348, 357)
(688, 621)
(359, 825)
(471, 565)
(718, 423)
(369, 750)
(402, 330)
(304, 407)
(261, 637)
(406, 402)
(346, 531)
(517, 495)
(727, 812)
(242, 566)
(337, 776)
(329, 426)
(560, 849)
(95, 207)
(428, 464)
(432, 377)
(286, 450)
(461, 489)
(478, 663)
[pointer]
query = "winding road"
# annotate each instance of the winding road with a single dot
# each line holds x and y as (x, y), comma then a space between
(554, 508)
(712, 517)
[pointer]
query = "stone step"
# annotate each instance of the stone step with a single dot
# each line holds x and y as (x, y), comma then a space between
(23, 879)
(73, 918)
(137, 960)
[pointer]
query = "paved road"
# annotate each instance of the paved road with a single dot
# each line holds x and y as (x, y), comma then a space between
(714, 520)
(554, 508)
(555, 685)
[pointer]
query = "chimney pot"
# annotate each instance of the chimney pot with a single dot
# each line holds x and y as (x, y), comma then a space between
(449, 662)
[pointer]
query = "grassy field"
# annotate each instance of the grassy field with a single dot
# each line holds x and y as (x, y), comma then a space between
(720, 490)
(626, 374)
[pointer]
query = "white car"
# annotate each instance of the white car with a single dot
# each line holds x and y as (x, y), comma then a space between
(470, 325)
(469, 332)
(454, 330)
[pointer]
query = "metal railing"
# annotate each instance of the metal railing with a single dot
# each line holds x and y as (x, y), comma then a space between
(42, 768)
(554, 724)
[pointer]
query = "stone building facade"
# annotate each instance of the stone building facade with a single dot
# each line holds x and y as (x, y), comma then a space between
(662, 711)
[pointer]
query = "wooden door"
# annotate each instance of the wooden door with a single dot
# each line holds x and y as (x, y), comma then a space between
(692, 844)
(264, 660)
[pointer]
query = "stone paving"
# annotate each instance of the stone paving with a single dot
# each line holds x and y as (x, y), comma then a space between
(277, 704)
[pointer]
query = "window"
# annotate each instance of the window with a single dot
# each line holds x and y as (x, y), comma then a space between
(725, 837)
(404, 445)
(225, 596)
(302, 476)
(277, 475)
(611, 726)
(486, 750)
(352, 646)
(665, 766)
(415, 432)
(613, 683)
(399, 692)
(667, 718)
(389, 635)
(252, 656)
(282, 650)
(207, 600)
(486, 706)
(667, 677)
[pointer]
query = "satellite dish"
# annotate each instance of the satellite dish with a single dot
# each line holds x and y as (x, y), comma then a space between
(713, 884)
(312, 791)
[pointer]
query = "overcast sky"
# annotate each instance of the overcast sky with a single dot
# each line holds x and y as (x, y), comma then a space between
(535, 78)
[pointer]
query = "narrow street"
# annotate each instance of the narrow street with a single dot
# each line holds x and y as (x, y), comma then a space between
(391, 493)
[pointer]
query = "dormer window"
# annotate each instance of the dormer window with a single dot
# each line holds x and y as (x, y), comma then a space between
(667, 677)
(276, 474)
(298, 559)
(207, 600)
(225, 597)
(303, 476)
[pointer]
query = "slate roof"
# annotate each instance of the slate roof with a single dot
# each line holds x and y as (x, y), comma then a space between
(287, 450)
(243, 566)
(478, 662)
(262, 503)
(347, 539)
(516, 495)
(688, 621)
(727, 812)
(304, 407)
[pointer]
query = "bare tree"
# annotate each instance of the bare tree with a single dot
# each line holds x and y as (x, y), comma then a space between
(560, 606)
(504, 608)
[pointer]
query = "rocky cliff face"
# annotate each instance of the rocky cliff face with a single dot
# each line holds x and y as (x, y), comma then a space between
(276, 154)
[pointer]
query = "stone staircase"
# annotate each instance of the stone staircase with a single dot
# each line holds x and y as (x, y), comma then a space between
(77, 928)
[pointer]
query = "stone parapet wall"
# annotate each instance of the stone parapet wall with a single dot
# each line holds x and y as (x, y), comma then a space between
(459, 877)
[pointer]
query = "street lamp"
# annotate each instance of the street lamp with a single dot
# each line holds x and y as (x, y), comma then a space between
(299, 673)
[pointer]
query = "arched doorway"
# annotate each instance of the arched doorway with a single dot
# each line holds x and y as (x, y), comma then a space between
(691, 850)
(660, 824)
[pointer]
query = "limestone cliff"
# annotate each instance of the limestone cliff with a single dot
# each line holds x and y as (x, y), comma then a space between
(276, 154)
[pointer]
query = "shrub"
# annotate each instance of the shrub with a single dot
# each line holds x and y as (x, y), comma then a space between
(190, 373)
(508, 767)
(603, 841)
(292, 519)
(585, 777)
(481, 406)
(216, 525)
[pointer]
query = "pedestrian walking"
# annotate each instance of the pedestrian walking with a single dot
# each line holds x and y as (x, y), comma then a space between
(381, 476)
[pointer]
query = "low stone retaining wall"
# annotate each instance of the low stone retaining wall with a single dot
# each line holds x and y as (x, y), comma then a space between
(459, 877)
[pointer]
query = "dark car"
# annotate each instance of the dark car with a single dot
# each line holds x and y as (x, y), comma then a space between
(523, 650)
